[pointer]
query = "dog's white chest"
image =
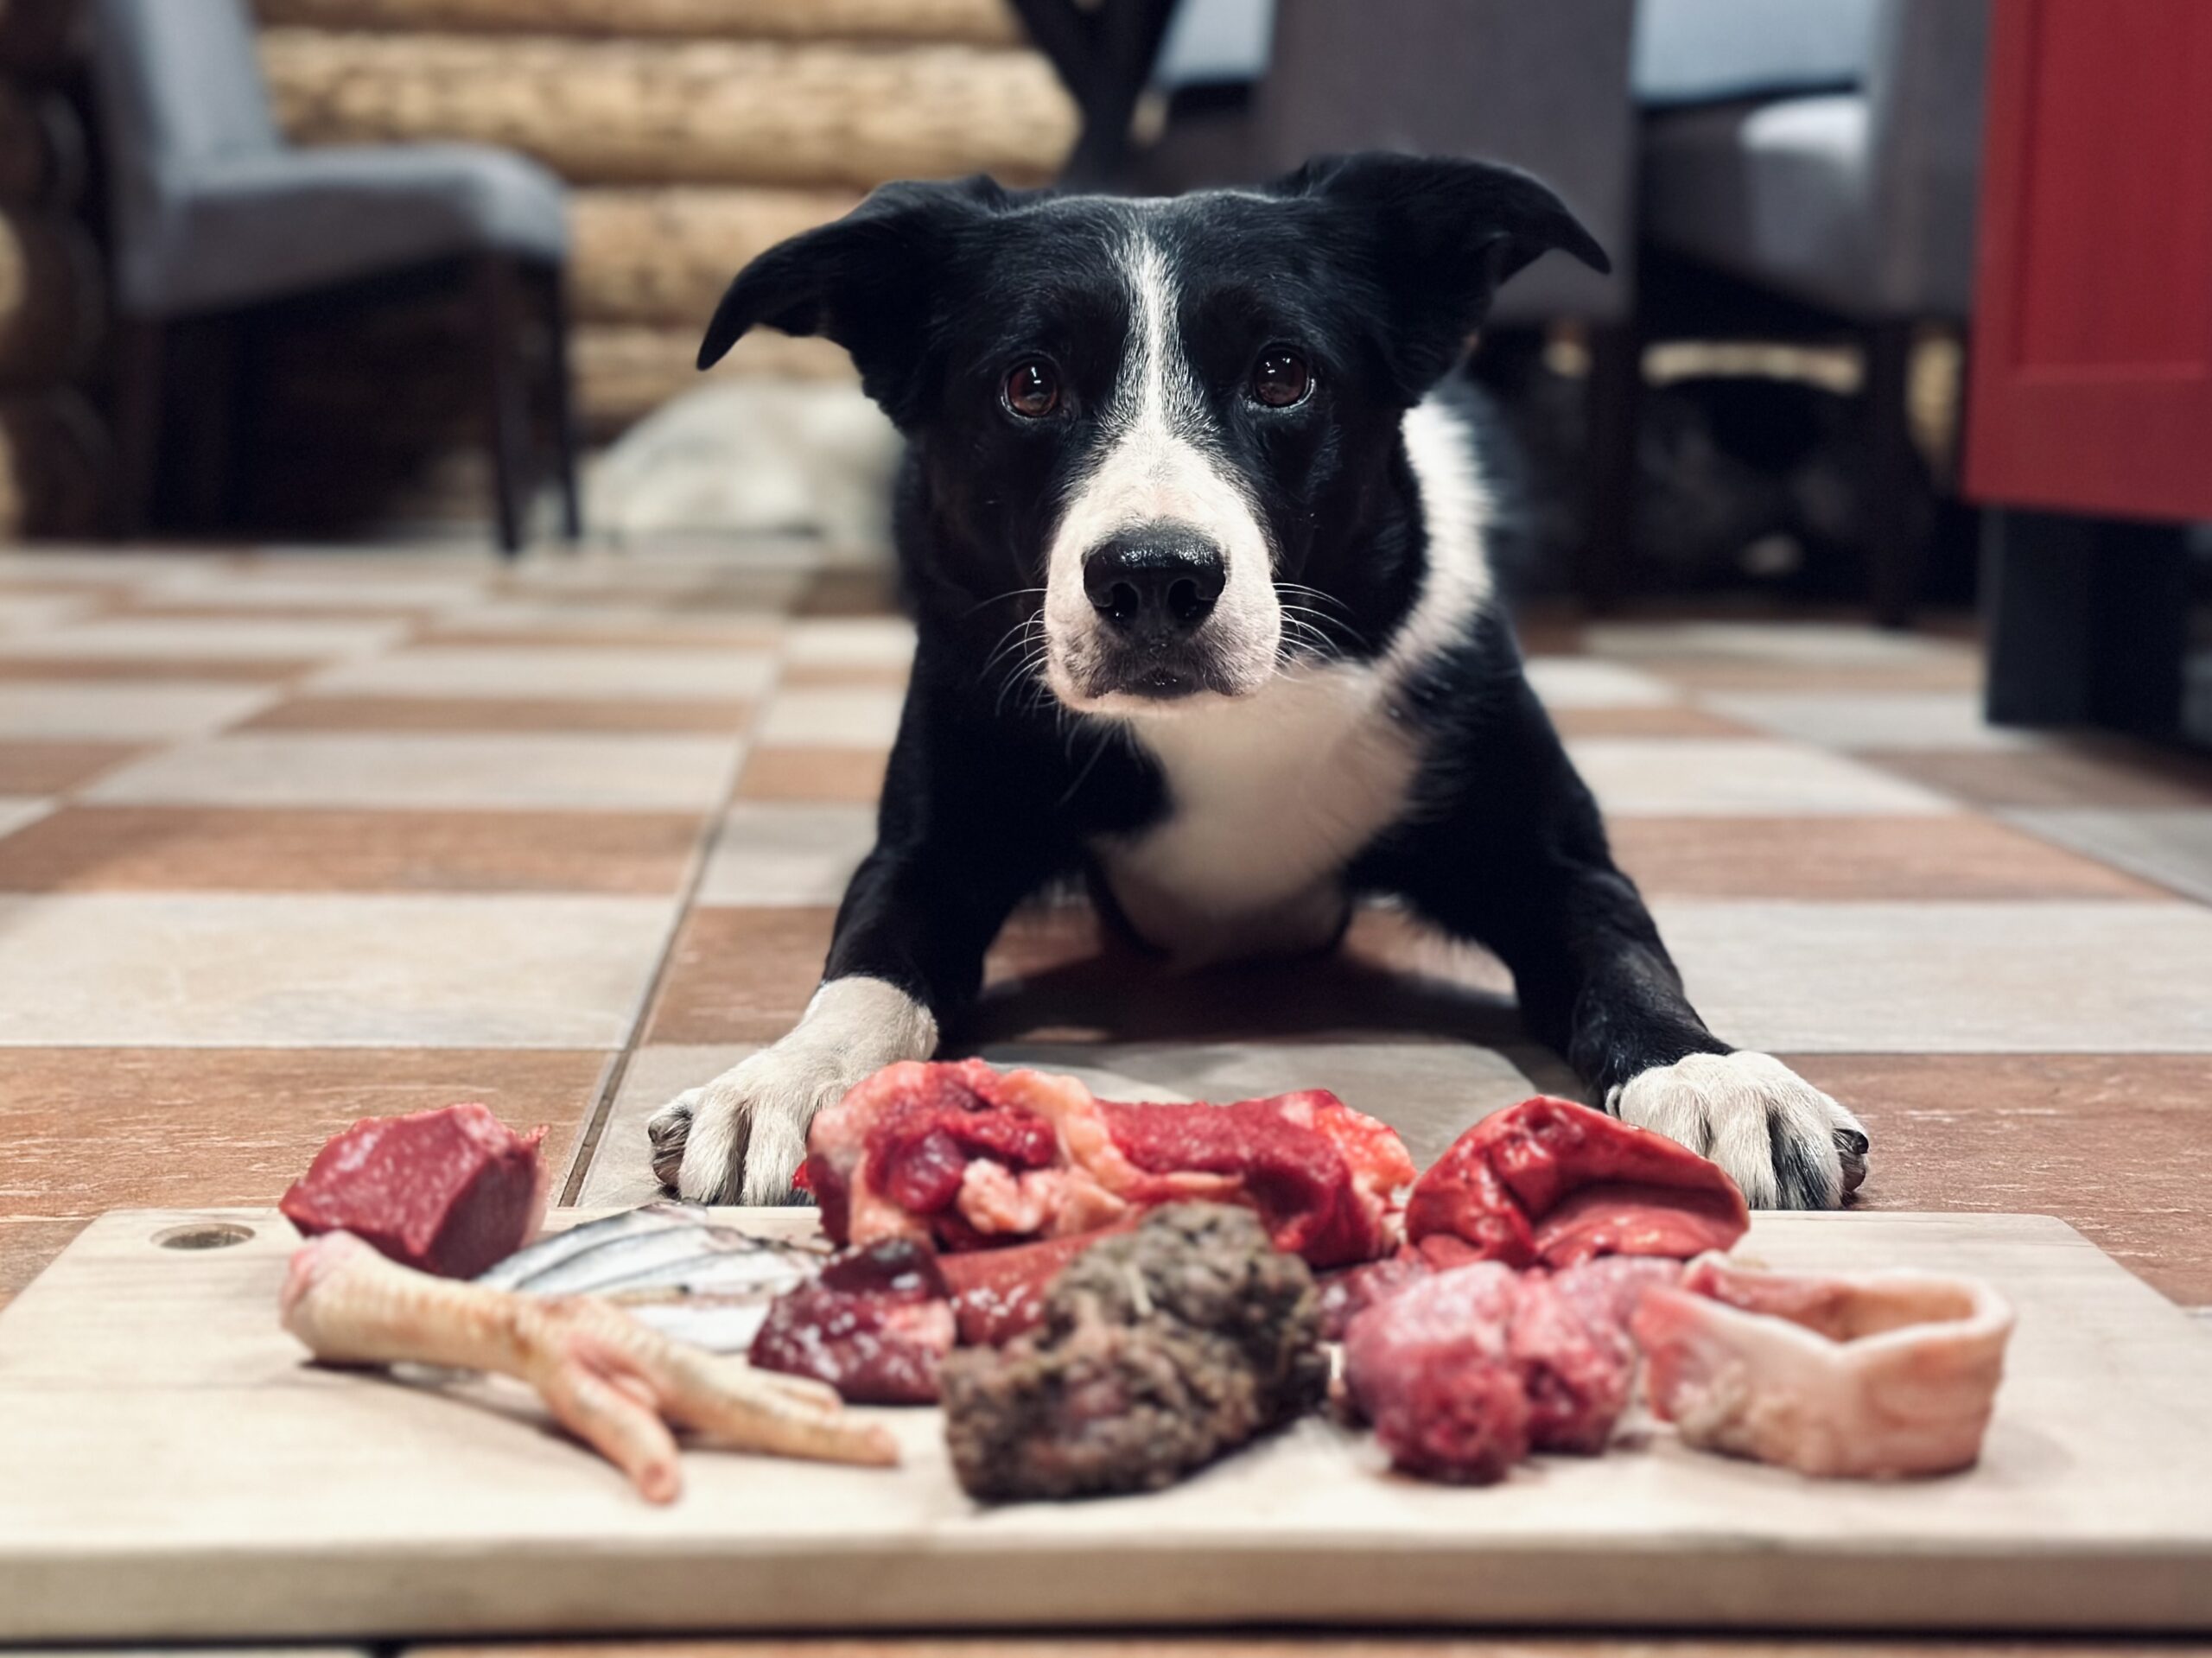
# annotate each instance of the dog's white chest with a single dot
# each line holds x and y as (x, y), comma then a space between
(1269, 799)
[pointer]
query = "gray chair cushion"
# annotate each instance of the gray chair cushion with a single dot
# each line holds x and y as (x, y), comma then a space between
(259, 227)
(1714, 51)
(1779, 193)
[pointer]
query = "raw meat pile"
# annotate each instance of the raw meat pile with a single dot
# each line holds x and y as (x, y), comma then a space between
(449, 1191)
(875, 1325)
(964, 1156)
(1159, 1350)
(1464, 1372)
(1550, 1182)
(1876, 1375)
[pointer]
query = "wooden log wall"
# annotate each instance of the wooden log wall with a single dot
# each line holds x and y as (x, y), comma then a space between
(978, 22)
(695, 134)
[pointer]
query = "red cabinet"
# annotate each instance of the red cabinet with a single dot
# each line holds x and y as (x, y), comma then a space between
(2092, 378)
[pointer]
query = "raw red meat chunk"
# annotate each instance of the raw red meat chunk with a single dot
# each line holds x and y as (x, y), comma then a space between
(1463, 1372)
(967, 1157)
(874, 1325)
(1553, 1181)
(449, 1191)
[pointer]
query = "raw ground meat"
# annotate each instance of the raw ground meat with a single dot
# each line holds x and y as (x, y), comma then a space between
(875, 1325)
(1160, 1350)
(449, 1192)
(966, 1157)
(1463, 1372)
(1553, 1181)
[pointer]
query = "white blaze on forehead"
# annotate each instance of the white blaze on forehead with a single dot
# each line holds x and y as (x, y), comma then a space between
(1154, 466)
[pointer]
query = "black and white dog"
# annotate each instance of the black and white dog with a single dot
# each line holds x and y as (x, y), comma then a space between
(1198, 537)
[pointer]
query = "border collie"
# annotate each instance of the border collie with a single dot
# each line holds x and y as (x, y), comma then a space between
(1196, 526)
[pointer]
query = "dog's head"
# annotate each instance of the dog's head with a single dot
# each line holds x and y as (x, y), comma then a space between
(1148, 419)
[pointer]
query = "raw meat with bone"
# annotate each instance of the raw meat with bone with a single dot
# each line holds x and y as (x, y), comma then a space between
(1463, 1372)
(1552, 1182)
(608, 1379)
(1870, 1376)
(449, 1191)
(964, 1156)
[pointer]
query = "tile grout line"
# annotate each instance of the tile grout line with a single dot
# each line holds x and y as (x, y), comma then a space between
(617, 1067)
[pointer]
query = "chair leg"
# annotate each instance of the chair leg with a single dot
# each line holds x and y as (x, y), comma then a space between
(1613, 396)
(141, 351)
(506, 395)
(564, 416)
(1887, 488)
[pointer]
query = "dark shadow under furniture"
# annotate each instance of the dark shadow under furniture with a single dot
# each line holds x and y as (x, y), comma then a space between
(216, 220)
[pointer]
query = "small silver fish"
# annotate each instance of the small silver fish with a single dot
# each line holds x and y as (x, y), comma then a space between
(736, 1264)
(718, 1326)
(549, 1252)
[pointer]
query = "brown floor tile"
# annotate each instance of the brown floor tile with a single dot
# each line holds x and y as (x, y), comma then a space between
(1956, 857)
(739, 975)
(1172, 1644)
(2120, 1146)
(801, 675)
(760, 634)
(2088, 772)
(29, 767)
(26, 1247)
(827, 777)
(1677, 720)
(173, 849)
(1729, 674)
(496, 714)
(259, 671)
(91, 1129)
(851, 592)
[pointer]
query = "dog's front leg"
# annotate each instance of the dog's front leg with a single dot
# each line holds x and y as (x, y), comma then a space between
(951, 862)
(1527, 872)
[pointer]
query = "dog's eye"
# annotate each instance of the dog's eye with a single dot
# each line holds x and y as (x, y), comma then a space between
(1281, 378)
(1032, 390)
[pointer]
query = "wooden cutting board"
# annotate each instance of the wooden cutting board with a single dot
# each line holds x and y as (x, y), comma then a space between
(170, 1467)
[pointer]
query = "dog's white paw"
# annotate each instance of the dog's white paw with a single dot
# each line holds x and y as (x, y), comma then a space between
(741, 1138)
(1787, 1145)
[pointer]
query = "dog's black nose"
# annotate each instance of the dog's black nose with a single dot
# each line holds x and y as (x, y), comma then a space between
(1154, 585)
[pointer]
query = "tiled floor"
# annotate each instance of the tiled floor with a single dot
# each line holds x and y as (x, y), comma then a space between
(287, 841)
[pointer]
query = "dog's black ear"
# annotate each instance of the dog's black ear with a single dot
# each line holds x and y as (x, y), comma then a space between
(866, 281)
(1438, 236)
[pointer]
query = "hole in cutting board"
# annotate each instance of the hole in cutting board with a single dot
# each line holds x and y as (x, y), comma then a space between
(203, 1235)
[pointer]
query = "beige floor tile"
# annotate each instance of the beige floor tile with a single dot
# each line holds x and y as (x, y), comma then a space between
(1794, 644)
(17, 811)
(76, 710)
(617, 1171)
(1690, 777)
(523, 771)
(2172, 847)
(243, 638)
(1667, 720)
(769, 854)
(853, 717)
(297, 585)
(2061, 976)
(300, 970)
(851, 642)
(1944, 720)
(24, 612)
(452, 671)
(1588, 682)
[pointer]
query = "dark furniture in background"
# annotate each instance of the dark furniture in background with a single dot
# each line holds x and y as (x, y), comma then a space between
(1846, 211)
(2091, 427)
(216, 218)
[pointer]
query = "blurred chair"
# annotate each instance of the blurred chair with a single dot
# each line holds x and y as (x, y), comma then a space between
(1835, 190)
(215, 216)
(1542, 84)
